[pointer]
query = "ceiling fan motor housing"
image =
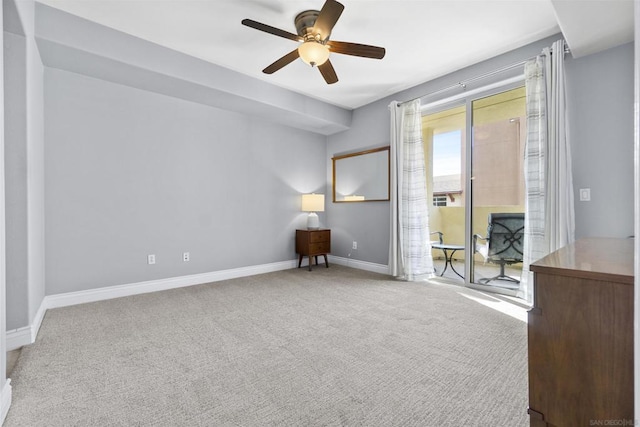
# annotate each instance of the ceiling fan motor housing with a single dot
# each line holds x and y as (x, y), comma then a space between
(304, 23)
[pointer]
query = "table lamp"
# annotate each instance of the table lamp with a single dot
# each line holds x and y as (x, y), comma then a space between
(313, 203)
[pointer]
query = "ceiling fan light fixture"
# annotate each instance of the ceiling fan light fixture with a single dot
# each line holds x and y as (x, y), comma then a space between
(314, 28)
(313, 53)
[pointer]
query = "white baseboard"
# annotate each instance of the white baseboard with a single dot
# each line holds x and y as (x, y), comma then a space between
(362, 265)
(27, 335)
(5, 400)
(117, 291)
(17, 338)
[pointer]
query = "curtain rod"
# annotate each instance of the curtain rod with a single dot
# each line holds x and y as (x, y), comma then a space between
(463, 83)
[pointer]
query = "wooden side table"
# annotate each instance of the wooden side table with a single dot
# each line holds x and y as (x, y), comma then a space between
(313, 243)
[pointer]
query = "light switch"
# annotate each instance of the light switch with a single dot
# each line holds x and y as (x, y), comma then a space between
(585, 194)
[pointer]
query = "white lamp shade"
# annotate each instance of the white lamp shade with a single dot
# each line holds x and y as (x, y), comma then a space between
(313, 203)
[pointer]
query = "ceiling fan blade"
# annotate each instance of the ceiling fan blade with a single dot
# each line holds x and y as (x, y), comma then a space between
(355, 49)
(285, 60)
(271, 30)
(328, 72)
(329, 14)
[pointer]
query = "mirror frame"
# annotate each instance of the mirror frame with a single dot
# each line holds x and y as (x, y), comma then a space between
(363, 153)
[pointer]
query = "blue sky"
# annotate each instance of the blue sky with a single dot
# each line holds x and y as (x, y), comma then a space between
(446, 153)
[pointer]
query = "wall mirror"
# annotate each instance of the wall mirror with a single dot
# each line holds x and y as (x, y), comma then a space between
(361, 176)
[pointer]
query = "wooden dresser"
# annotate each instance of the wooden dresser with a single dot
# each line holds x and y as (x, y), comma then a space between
(581, 335)
(313, 243)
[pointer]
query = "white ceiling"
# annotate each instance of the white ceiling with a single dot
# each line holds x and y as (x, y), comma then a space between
(423, 39)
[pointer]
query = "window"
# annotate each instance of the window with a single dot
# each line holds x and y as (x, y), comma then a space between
(440, 200)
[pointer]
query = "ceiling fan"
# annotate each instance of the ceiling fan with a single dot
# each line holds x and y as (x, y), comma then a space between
(314, 28)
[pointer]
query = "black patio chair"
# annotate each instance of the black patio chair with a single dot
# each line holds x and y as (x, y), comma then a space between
(504, 242)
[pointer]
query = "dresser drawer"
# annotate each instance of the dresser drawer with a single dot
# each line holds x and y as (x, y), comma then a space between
(319, 236)
(319, 248)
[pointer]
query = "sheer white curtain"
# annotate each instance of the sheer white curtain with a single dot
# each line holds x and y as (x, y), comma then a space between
(549, 211)
(409, 248)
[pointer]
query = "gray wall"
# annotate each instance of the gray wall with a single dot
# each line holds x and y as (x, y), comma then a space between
(131, 173)
(24, 151)
(600, 100)
(35, 174)
(600, 94)
(15, 155)
(3, 299)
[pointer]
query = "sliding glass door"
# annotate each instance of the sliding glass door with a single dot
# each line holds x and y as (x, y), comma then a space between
(474, 155)
(497, 189)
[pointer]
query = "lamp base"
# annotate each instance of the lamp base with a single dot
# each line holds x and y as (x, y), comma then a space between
(313, 223)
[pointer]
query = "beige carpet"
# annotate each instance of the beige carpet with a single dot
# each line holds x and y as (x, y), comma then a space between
(332, 347)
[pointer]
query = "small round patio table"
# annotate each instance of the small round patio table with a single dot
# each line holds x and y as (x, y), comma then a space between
(444, 247)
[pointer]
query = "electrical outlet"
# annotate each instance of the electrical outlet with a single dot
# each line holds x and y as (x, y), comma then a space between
(185, 256)
(151, 259)
(355, 245)
(585, 194)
